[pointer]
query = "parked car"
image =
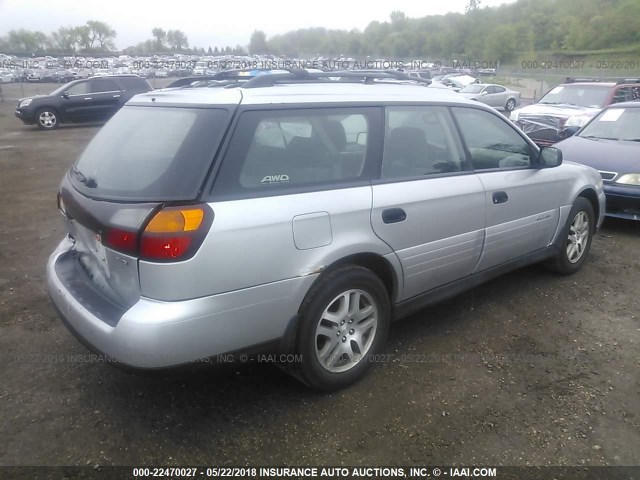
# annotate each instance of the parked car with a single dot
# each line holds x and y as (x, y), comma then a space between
(455, 81)
(425, 74)
(61, 76)
(6, 76)
(610, 143)
(34, 75)
(96, 98)
(493, 95)
(571, 104)
(293, 216)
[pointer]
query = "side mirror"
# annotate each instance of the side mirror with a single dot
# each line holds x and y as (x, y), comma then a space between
(484, 92)
(550, 157)
(65, 95)
(567, 132)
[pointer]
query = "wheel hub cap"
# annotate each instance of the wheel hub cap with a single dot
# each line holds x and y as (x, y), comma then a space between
(578, 237)
(47, 119)
(346, 330)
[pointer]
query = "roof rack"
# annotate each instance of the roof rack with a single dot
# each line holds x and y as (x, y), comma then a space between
(303, 76)
(575, 80)
(627, 80)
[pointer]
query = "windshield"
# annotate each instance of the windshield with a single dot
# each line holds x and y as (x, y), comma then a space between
(615, 123)
(472, 89)
(579, 95)
(150, 153)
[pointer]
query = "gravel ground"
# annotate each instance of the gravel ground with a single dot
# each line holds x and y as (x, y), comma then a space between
(529, 369)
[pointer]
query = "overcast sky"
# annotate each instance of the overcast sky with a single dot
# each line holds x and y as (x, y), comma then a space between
(212, 23)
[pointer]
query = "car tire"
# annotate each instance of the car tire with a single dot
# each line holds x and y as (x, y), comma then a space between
(575, 240)
(511, 104)
(344, 322)
(47, 118)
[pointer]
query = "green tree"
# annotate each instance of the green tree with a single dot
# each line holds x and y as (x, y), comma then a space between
(103, 34)
(177, 40)
(160, 37)
(258, 43)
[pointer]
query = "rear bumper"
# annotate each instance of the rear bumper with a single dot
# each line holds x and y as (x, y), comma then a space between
(155, 334)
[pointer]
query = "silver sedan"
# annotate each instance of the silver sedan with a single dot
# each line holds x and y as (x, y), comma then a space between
(493, 95)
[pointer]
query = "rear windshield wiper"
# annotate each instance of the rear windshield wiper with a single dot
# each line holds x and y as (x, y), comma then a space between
(88, 181)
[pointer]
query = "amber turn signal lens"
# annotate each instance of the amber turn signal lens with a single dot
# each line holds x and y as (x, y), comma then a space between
(176, 220)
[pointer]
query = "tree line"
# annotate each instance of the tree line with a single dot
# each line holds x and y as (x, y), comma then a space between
(96, 37)
(493, 33)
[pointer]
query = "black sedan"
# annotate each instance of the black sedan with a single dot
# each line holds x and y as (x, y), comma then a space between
(610, 143)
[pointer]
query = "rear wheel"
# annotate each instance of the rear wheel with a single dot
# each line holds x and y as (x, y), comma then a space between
(344, 322)
(47, 118)
(511, 104)
(575, 239)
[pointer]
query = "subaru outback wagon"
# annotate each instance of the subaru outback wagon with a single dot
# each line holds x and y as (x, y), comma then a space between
(301, 216)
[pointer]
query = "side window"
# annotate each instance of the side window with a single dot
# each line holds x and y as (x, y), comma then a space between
(289, 149)
(620, 95)
(497, 89)
(81, 88)
(420, 141)
(100, 85)
(491, 141)
(490, 89)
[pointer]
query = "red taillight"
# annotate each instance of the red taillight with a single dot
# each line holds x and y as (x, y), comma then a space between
(122, 240)
(164, 247)
(175, 233)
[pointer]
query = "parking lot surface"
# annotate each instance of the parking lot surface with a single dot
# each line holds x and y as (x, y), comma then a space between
(529, 369)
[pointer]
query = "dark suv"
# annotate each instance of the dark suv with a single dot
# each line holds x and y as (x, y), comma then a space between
(569, 106)
(81, 101)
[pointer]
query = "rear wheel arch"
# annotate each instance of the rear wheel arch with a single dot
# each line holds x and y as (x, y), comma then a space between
(373, 262)
(377, 264)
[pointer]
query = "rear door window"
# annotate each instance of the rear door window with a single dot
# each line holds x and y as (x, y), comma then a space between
(102, 85)
(291, 149)
(151, 153)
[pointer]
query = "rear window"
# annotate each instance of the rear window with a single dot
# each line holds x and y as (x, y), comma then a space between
(150, 153)
(579, 95)
(135, 83)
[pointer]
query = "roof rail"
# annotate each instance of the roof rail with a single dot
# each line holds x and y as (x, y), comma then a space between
(574, 80)
(303, 76)
(627, 80)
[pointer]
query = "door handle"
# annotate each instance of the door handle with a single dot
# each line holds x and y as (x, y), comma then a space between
(116, 96)
(394, 215)
(500, 197)
(87, 98)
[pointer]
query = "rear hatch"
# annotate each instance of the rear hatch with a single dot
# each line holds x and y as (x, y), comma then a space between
(143, 162)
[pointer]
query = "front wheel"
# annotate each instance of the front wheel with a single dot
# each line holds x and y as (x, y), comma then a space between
(576, 238)
(47, 118)
(344, 323)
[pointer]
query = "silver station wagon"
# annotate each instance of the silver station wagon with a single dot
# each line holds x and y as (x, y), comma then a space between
(301, 214)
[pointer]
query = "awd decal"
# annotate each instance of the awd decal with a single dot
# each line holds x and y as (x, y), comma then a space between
(275, 179)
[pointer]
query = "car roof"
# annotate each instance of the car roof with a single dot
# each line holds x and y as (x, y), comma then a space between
(632, 104)
(590, 84)
(330, 92)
